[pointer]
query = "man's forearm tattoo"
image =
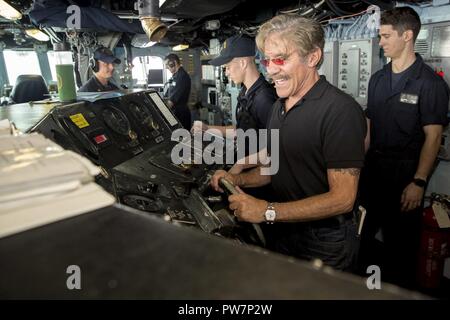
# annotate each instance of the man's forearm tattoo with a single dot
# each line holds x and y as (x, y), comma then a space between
(352, 171)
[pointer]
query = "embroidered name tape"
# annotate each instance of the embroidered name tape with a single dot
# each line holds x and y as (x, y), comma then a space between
(409, 98)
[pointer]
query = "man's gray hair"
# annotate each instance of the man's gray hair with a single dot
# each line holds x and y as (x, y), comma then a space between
(305, 34)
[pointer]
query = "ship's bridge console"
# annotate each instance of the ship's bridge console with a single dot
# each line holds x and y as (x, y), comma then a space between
(130, 138)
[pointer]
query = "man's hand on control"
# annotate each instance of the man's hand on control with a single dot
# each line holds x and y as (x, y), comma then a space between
(247, 208)
(222, 174)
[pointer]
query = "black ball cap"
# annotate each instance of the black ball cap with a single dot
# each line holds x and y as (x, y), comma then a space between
(234, 47)
(106, 55)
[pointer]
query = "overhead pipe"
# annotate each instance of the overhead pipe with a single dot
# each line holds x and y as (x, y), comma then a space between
(149, 16)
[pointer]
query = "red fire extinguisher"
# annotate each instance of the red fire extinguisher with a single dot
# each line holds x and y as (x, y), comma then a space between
(434, 246)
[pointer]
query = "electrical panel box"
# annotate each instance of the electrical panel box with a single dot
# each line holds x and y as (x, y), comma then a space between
(329, 67)
(208, 72)
(433, 44)
(358, 60)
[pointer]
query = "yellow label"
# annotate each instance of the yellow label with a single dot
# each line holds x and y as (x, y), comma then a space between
(79, 120)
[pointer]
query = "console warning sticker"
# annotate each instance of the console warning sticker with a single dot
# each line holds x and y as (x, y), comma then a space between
(79, 120)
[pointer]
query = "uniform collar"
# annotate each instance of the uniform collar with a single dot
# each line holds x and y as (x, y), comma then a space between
(257, 84)
(315, 93)
(253, 88)
(179, 71)
(317, 89)
(415, 68)
(100, 84)
(413, 73)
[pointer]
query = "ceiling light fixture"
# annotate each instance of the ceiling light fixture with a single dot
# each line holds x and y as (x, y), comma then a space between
(7, 11)
(180, 47)
(37, 34)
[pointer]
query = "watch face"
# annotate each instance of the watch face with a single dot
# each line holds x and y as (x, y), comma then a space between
(270, 215)
(420, 182)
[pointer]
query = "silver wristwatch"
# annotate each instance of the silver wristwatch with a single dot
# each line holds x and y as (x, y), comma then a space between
(270, 213)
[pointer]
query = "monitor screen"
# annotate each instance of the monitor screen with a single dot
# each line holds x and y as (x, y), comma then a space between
(155, 76)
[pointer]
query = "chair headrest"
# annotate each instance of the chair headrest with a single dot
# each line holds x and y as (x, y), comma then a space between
(29, 87)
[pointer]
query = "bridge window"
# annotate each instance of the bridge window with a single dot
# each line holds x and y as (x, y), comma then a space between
(64, 57)
(20, 62)
(150, 70)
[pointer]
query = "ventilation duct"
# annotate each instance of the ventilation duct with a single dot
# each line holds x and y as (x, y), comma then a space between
(150, 19)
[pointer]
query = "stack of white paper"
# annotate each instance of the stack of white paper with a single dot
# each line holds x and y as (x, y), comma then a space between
(42, 183)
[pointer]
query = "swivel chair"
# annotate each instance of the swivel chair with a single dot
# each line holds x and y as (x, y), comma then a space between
(29, 87)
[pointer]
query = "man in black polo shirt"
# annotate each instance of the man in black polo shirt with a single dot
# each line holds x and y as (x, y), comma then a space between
(179, 90)
(256, 97)
(406, 111)
(102, 64)
(321, 151)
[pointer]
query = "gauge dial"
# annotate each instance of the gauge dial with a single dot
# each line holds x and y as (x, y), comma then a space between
(116, 120)
(144, 116)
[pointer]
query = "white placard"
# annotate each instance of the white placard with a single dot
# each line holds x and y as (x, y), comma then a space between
(163, 108)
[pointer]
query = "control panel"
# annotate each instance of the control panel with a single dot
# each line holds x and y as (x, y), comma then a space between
(357, 60)
(329, 67)
(130, 138)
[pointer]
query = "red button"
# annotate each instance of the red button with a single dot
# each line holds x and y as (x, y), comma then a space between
(100, 139)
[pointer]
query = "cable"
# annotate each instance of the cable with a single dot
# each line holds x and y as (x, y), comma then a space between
(323, 15)
(289, 11)
(292, 10)
(313, 8)
(346, 16)
(171, 25)
(381, 4)
(336, 9)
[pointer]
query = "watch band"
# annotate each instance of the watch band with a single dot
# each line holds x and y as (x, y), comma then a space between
(270, 214)
(420, 182)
